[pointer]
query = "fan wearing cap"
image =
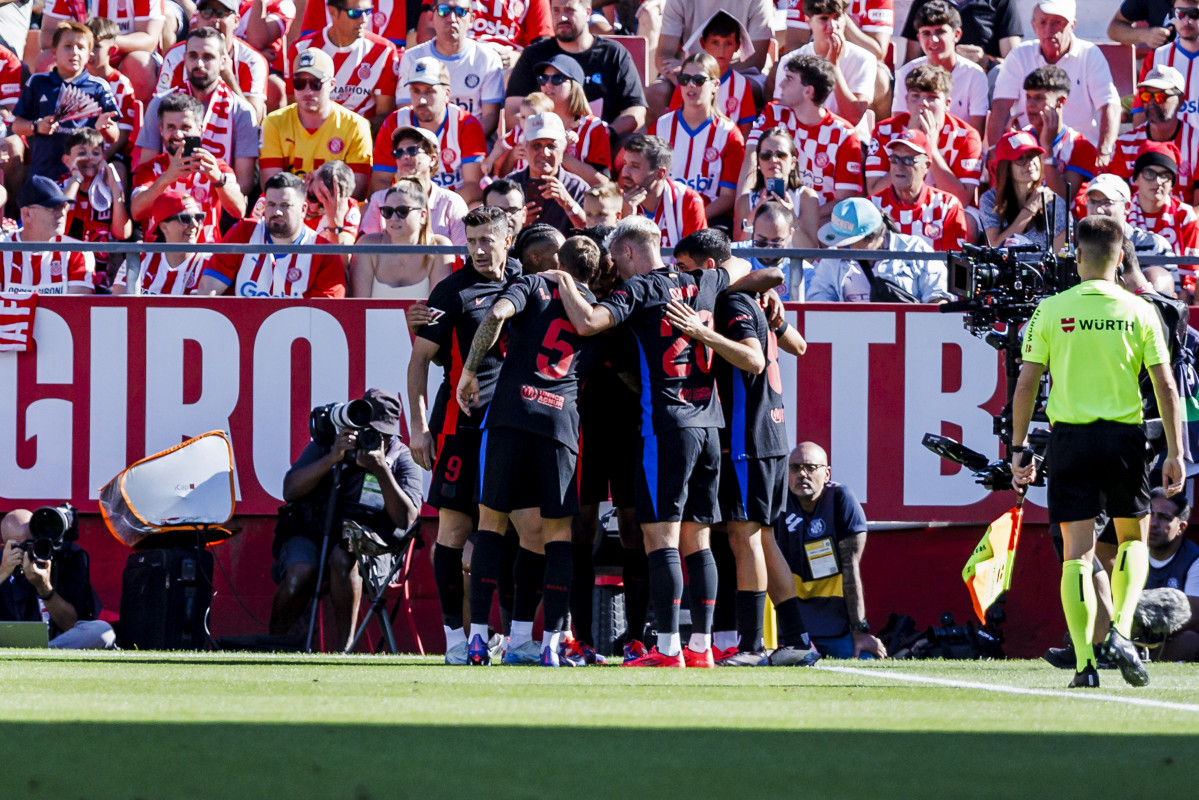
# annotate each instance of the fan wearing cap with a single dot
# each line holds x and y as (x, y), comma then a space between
(1108, 196)
(588, 145)
(1093, 108)
(379, 488)
(460, 137)
(1018, 205)
(1179, 54)
(1069, 158)
(1160, 95)
(476, 73)
(176, 218)
(300, 137)
(553, 195)
(1154, 206)
(857, 224)
(417, 155)
(44, 219)
(917, 209)
(364, 63)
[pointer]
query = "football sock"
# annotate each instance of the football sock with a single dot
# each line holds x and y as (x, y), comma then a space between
(558, 569)
(1128, 579)
(699, 642)
(521, 632)
(635, 577)
(666, 591)
(484, 576)
(447, 574)
(528, 575)
(507, 586)
(792, 631)
(1080, 606)
(453, 636)
(551, 640)
(751, 619)
(581, 586)
(723, 640)
(477, 629)
(701, 576)
(669, 644)
(725, 616)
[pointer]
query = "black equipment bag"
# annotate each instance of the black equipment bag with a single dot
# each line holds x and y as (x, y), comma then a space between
(165, 597)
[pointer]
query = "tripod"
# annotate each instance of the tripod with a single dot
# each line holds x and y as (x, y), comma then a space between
(330, 517)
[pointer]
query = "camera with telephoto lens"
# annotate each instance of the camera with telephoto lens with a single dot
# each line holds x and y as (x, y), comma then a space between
(327, 421)
(50, 528)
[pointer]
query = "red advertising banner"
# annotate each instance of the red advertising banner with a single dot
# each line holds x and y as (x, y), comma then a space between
(112, 379)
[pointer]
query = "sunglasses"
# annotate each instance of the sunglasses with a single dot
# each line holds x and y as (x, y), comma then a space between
(694, 80)
(444, 10)
(355, 13)
(400, 212)
(773, 155)
(907, 161)
(412, 151)
(186, 219)
(1155, 97)
(214, 13)
(1187, 13)
(557, 80)
(770, 243)
(307, 84)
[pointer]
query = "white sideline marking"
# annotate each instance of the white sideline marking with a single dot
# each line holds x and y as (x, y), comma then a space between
(1077, 694)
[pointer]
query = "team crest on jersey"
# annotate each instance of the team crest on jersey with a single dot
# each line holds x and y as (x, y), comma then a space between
(336, 145)
(816, 529)
(293, 274)
(821, 160)
(379, 19)
(364, 71)
(730, 105)
(448, 157)
(56, 268)
(932, 230)
(1184, 170)
(872, 147)
(760, 121)
(472, 80)
(711, 154)
(528, 392)
(516, 9)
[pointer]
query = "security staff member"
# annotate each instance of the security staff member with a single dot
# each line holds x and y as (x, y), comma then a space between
(1094, 338)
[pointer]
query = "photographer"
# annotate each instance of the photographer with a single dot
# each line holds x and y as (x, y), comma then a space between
(380, 489)
(56, 591)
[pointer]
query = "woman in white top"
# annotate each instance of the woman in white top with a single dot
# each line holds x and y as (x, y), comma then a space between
(401, 275)
(778, 161)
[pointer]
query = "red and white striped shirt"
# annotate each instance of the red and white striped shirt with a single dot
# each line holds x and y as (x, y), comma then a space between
(594, 146)
(217, 134)
(706, 158)
(281, 11)
(959, 144)
(364, 70)
(871, 16)
(1173, 55)
(125, 13)
(388, 20)
(1073, 152)
(1176, 223)
(460, 134)
(248, 64)
(936, 216)
(265, 275)
(775, 115)
(157, 276)
(511, 23)
(131, 110)
(196, 185)
(734, 95)
(680, 212)
(49, 272)
(830, 156)
(1187, 140)
(10, 78)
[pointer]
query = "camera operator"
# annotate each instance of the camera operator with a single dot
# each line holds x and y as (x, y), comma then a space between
(379, 488)
(56, 591)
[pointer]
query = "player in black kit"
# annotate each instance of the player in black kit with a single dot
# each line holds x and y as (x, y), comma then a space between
(676, 492)
(456, 306)
(530, 449)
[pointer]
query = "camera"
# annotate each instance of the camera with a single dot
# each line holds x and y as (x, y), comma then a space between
(50, 527)
(1003, 284)
(327, 421)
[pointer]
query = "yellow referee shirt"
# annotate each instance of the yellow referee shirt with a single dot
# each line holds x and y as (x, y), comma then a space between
(288, 145)
(1094, 338)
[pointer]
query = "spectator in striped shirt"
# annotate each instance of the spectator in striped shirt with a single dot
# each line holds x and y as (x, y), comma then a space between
(1069, 158)
(647, 188)
(726, 39)
(1160, 93)
(917, 209)
(175, 219)
(98, 64)
(1154, 206)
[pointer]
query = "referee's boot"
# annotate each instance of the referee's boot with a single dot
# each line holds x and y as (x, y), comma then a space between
(1063, 658)
(1087, 679)
(1124, 653)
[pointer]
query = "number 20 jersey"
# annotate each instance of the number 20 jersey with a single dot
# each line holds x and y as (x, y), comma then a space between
(538, 387)
(678, 388)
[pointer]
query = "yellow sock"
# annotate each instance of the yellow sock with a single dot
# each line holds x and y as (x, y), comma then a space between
(1080, 606)
(1128, 579)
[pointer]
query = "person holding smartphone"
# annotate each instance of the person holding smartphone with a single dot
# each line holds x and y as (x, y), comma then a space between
(776, 178)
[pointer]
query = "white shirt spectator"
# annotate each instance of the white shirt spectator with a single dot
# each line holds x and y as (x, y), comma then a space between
(837, 280)
(969, 97)
(476, 75)
(1092, 87)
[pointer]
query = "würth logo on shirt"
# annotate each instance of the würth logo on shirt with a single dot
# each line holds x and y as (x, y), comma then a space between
(1067, 324)
(1119, 325)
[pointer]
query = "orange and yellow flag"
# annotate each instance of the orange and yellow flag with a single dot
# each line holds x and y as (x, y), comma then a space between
(988, 572)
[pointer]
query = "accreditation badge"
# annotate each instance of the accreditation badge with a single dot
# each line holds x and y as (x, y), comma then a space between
(821, 558)
(372, 494)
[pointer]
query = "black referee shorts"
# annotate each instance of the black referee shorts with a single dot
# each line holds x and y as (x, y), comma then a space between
(753, 490)
(1100, 466)
(456, 472)
(679, 476)
(522, 470)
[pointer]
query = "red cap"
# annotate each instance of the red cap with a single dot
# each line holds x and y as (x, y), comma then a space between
(916, 140)
(167, 205)
(1015, 144)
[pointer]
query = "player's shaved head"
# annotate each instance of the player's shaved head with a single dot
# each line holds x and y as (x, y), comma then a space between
(1162, 280)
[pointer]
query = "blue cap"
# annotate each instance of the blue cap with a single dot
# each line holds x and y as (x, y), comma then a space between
(853, 220)
(567, 66)
(41, 191)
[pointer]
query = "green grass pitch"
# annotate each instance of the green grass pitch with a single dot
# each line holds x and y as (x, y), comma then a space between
(150, 725)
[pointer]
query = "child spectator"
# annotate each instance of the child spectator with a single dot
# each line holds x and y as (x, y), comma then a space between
(139, 35)
(100, 66)
(508, 154)
(176, 218)
(939, 28)
(98, 212)
(602, 205)
(726, 39)
(588, 145)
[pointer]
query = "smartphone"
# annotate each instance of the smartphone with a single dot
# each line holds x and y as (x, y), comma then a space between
(190, 145)
(776, 186)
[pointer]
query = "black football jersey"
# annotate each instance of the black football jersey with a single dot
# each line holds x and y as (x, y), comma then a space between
(546, 358)
(458, 304)
(753, 404)
(678, 388)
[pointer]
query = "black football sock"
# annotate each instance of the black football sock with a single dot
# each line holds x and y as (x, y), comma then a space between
(581, 588)
(635, 577)
(725, 618)
(701, 583)
(485, 565)
(792, 632)
(447, 574)
(751, 616)
(558, 569)
(529, 577)
(507, 586)
(665, 588)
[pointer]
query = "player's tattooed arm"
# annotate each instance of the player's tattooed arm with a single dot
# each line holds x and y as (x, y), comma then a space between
(467, 391)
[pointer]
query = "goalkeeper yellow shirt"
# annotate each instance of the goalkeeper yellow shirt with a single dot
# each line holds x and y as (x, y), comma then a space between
(288, 145)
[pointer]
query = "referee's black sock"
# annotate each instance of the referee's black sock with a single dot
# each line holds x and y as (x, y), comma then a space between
(635, 577)
(558, 569)
(447, 574)
(665, 588)
(751, 619)
(484, 576)
(701, 582)
(792, 631)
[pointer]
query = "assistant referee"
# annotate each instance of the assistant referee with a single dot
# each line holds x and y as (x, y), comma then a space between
(1094, 338)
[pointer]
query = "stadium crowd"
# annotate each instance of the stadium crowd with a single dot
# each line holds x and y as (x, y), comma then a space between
(513, 126)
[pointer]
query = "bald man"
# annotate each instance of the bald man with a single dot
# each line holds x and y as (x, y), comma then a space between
(57, 591)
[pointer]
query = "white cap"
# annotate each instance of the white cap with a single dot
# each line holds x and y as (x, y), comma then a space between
(1059, 8)
(546, 125)
(428, 70)
(1164, 78)
(1111, 187)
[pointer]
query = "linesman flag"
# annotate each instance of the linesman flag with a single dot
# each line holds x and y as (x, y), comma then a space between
(988, 572)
